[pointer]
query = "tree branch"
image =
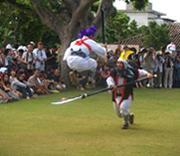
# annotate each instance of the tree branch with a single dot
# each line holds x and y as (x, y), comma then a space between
(107, 6)
(78, 15)
(72, 4)
(47, 17)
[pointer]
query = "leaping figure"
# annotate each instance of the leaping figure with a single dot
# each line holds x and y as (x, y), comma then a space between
(78, 53)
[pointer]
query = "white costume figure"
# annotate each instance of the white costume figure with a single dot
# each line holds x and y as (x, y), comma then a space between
(171, 47)
(122, 97)
(78, 53)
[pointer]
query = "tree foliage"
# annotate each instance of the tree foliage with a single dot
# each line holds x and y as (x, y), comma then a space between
(138, 4)
(64, 17)
(19, 26)
(155, 35)
(119, 27)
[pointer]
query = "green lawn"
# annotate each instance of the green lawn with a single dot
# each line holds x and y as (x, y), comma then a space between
(90, 127)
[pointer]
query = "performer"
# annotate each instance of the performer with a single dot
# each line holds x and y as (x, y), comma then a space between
(122, 97)
(78, 53)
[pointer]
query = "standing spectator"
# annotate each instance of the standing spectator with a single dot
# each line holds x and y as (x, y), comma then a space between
(168, 70)
(140, 56)
(40, 57)
(8, 58)
(20, 62)
(149, 64)
(2, 58)
(118, 51)
(29, 58)
(177, 71)
(51, 59)
(159, 60)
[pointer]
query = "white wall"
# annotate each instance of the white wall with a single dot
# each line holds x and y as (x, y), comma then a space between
(140, 18)
(145, 18)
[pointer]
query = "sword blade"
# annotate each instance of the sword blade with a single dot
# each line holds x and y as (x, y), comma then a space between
(66, 100)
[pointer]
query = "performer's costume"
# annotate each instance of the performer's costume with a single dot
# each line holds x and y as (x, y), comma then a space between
(122, 97)
(78, 53)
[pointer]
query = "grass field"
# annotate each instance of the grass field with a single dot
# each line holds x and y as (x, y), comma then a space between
(90, 127)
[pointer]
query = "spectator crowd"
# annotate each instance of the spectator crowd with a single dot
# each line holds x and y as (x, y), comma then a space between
(28, 71)
(32, 70)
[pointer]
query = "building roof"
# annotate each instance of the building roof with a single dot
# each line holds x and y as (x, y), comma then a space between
(174, 33)
(145, 11)
(169, 20)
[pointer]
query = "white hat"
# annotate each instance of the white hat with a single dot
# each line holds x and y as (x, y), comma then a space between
(32, 42)
(9, 46)
(21, 47)
(3, 69)
(25, 48)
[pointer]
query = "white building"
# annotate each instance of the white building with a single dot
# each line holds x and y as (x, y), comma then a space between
(147, 15)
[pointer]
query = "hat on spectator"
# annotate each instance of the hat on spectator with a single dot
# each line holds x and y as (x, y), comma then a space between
(32, 42)
(3, 69)
(23, 48)
(9, 46)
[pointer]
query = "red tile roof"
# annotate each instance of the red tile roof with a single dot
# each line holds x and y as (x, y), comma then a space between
(174, 33)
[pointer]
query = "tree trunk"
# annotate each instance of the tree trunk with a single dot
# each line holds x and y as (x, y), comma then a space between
(65, 73)
(63, 64)
(77, 12)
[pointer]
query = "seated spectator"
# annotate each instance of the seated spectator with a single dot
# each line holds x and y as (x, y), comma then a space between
(18, 84)
(35, 82)
(4, 97)
(15, 95)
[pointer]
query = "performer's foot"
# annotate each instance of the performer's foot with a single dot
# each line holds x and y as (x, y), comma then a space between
(131, 118)
(125, 126)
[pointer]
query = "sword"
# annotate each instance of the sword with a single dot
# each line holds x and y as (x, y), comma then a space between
(85, 95)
